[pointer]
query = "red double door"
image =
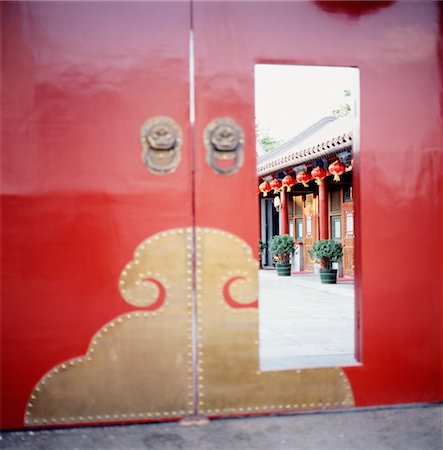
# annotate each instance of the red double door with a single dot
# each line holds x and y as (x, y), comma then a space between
(129, 244)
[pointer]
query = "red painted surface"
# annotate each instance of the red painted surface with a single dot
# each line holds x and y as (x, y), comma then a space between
(161, 295)
(284, 220)
(395, 45)
(323, 210)
(79, 80)
(231, 301)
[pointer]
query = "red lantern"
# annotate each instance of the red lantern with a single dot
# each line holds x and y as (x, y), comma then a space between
(275, 184)
(337, 168)
(303, 178)
(318, 174)
(288, 182)
(264, 188)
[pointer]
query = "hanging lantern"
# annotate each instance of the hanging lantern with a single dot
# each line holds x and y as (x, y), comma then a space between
(264, 188)
(303, 178)
(275, 184)
(288, 182)
(318, 174)
(337, 168)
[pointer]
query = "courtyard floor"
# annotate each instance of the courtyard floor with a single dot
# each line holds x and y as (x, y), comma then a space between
(304, 323)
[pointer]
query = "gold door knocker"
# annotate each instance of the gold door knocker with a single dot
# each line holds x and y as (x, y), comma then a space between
(161, 139)
(224, 140)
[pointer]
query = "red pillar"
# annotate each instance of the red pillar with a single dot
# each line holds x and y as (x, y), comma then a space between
(323, 209)
(284, 221)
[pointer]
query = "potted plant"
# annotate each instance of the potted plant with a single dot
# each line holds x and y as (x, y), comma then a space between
(282, 246)
(262, 247)
(326, 252)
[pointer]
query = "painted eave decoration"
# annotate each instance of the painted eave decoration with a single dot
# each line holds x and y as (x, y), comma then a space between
(326, 137)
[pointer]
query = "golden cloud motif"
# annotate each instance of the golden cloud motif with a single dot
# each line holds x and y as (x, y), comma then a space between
(140, 366)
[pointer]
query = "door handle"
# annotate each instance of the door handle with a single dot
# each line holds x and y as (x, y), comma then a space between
(224, 140)
(161, 139)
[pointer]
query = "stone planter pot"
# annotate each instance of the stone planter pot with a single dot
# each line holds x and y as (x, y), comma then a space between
(283, 270)
(328, 276)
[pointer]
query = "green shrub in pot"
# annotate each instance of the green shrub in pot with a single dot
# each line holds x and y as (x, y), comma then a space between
(326, 252)
(282, 246)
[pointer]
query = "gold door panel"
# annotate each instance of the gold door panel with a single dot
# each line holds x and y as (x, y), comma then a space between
(230, 381)
(139, 366)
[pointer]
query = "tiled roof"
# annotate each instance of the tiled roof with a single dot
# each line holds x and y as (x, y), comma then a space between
(325, 137)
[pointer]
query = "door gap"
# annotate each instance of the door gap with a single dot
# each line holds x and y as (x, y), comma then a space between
(192, 148)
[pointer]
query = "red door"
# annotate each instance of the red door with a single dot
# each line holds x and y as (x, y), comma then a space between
(129, 268)
(95, 322)
(399, 297)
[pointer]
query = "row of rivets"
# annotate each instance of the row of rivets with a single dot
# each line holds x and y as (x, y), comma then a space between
(125, 290)
(95, 341)
(78, 361)
(274, 408)
(200, 369)
(219, 292)
(281, 407)
(189, 267)
(199, 281)
(104, 417)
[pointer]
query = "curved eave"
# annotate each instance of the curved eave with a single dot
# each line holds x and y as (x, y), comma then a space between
(296, 157)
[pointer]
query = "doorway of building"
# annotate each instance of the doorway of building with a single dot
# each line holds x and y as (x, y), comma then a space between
(307, 118)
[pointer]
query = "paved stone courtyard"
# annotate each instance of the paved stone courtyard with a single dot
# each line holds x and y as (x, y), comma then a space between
(304, 323)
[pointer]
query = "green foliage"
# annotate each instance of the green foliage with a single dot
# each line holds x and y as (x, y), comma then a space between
(342, 111)
(345, 108)
(326, 251)
(262, 246)
(282, 246)
(267, 142)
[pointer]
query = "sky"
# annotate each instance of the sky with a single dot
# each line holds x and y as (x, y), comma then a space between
(288, 99)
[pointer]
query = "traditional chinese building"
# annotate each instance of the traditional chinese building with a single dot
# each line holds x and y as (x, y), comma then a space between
(306, 191)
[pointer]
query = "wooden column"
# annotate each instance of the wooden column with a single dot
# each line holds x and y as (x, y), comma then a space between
(284, 221)
(323, 209)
